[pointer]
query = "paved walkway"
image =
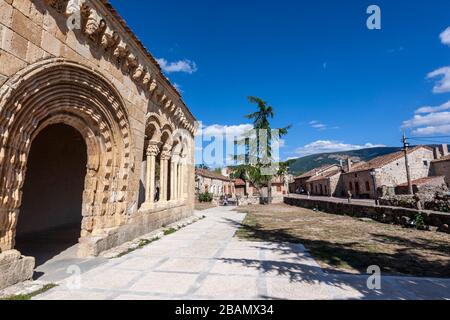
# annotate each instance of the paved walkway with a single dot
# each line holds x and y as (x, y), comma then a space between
(206, 261)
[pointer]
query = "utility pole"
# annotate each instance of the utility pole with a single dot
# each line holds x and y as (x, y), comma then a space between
(408, 171)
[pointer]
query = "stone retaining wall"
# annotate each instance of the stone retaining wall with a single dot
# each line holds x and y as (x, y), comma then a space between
(384, 214)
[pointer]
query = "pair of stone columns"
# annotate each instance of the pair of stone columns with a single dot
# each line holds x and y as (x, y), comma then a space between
(176, 177)
(152, 153)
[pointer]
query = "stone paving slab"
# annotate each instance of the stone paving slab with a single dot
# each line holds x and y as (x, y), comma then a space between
(206, 261)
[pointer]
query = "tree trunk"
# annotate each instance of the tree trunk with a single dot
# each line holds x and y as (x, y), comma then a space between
(269, 192)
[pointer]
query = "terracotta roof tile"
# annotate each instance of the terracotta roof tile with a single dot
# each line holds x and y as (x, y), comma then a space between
(422, 181)
(314, 171)
(446, 158)
(325, 175)
(211, 175)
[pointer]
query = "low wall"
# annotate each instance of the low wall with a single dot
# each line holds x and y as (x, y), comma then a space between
(384, 214)
(142, 223)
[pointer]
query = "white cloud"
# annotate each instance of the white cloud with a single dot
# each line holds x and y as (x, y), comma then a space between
(224, 130)
(178, 87)
(430, 121)
(317, 125)
(445, 37)
(185, 66)
(430, 109)
(327, 146)
(443, 84)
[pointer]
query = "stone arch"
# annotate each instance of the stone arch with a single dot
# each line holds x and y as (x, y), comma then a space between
(60, 91)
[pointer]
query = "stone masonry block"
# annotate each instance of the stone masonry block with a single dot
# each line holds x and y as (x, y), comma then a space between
(26, 28)
(15, 268)
(10, 64)
(14, 44)
(6, 12)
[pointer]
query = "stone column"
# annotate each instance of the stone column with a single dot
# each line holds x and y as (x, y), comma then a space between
(152, 152)
(173, 180)
(165, 156)
(180, 183)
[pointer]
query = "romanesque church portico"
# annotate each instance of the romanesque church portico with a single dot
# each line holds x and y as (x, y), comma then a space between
(87, 102)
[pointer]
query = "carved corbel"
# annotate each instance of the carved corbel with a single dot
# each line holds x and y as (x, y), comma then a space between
(138, 72)
(109, 39)
(147, 78)
(153, 86)
(130, 63)
(59, 5)
(168, 104)
(95, 25)
(121, 50)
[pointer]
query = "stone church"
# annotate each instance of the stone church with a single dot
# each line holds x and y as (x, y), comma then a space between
(96, 145)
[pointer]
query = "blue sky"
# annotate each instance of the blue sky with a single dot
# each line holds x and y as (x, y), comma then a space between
(339, 84)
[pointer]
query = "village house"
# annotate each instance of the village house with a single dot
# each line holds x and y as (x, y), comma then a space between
(300, 184)
(367, 179)
(326, 184)
(93, 137)
(213, 183)
(441, 165)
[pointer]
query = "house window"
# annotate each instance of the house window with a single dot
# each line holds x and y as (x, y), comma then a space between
(367, 186)
(278, 188)
(425, 163)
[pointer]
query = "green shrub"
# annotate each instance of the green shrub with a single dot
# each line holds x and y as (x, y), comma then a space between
(205, 197)
(419, 221)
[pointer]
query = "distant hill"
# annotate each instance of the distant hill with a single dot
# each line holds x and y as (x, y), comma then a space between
(301, 165)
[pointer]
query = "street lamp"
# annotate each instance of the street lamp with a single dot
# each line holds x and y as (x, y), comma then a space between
(373, 173)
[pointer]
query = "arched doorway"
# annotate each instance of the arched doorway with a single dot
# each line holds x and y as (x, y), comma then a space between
(51, 211)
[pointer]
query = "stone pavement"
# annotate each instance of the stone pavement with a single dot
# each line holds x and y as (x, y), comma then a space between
(206, 261)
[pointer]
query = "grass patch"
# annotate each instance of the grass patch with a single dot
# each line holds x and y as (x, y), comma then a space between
(24, 297)
(169, 231)
(350, 245)
(142, 243)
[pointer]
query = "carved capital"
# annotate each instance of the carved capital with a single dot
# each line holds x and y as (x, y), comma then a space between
(166, 155)
(152, 150)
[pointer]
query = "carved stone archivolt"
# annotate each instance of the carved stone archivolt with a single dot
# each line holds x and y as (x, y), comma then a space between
(100, 33)
(59, 91)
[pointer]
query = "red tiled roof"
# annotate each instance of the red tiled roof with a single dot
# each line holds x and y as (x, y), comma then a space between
(210, 174)
(324, 176)
(446, 158)
(315, 171)
(239, 183)
(384, 160)
(422, 181)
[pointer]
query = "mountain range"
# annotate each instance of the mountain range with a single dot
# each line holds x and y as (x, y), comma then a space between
(303, 164)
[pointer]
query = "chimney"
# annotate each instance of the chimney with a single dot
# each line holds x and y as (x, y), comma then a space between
(349, 164)
(437, 153)
(444, 150)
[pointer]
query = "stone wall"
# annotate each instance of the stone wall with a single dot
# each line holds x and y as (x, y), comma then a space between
(442, 168)
(384, 214)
